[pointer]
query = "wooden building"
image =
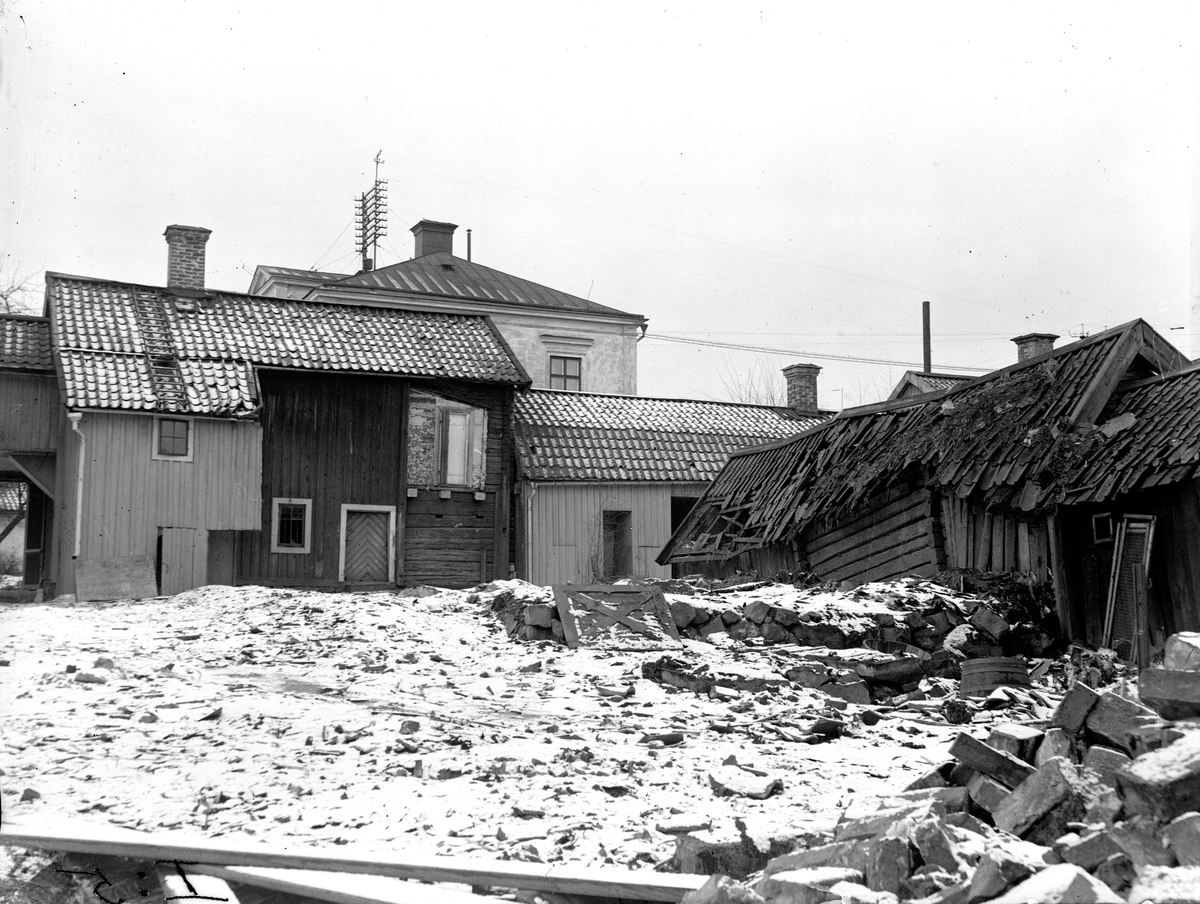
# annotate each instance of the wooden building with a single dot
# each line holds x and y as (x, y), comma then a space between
(217, 437)
(603, 480)
(1000, 473)
(30, 434)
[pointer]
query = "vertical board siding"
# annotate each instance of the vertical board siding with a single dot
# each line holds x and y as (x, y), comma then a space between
(30, 412)
(565, 534)
(995, 540)
(128, 496)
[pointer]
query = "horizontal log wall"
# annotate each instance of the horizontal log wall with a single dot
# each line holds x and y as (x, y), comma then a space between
(893, 539)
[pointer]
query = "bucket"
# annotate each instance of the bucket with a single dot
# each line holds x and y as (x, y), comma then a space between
(982, 676)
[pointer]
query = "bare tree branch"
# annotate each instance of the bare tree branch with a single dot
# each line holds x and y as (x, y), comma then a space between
(16, 291)
(760, 384)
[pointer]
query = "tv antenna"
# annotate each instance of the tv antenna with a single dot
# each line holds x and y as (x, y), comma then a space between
(370, 218)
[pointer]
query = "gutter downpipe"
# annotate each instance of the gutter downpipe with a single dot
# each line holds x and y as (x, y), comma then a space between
(75, 417)
(528, 526)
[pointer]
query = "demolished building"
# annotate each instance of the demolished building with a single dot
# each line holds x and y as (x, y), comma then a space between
(1054, 467)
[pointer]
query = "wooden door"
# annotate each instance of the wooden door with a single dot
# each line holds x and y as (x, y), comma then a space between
(367, 543)
(184, 559)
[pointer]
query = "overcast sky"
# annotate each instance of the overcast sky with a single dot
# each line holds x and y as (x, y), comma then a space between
(794, 176)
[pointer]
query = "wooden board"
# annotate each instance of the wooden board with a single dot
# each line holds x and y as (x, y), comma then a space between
(616, 616)
(115, 579)
(181, 883)
(339, 887)
(80, 836)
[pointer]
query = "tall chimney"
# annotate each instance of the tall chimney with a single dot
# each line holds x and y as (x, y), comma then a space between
(1031, 345)
(433, 237)
(185, 256)
(802, 387)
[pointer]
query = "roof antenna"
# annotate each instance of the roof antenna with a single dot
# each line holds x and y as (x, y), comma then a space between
(468, 246)
(370, 218)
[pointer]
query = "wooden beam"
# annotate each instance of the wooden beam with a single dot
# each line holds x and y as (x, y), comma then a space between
(1100, 390)
(338, 887)
(1062, 597)
(78, 836)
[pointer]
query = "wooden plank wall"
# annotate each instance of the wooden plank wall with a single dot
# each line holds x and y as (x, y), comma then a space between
(985, 540)
(888, 541)
(30, 412)
(459, 542)
(565, 535)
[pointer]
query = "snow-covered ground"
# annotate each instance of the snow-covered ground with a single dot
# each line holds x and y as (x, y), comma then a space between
(411, 721)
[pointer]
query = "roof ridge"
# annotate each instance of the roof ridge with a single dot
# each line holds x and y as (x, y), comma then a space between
(618, 395)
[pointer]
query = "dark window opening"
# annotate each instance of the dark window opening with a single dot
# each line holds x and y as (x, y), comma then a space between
(566, 373)
(680, 507)
(618, 544)
(173, 437)
(291, 524)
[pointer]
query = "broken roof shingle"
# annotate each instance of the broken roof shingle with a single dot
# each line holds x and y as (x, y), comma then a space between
(1010, 438)
(585, 436)
(216, 339)
(25, 342)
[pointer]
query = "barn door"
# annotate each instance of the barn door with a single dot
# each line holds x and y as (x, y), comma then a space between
(184, 559)
(1126, 617)
(368, 544)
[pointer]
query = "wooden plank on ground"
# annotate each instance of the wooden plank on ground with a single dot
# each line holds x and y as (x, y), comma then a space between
(130, 578)
(80, 836)
(339, 887)
(629, 616)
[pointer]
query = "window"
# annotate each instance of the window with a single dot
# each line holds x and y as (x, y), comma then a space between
(291, 525)
(447, 443)
(1102, 528)
(566, 373)
(172, 439)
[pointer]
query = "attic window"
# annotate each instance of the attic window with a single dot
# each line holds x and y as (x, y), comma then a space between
(1102, 528)
(447, 266)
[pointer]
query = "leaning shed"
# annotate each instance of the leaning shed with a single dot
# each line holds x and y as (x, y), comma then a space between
(972, 477)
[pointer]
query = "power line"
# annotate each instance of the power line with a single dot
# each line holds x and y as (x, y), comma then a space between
(801, 354)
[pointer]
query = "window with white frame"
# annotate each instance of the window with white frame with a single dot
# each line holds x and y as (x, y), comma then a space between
(447, 442)
(291, 525)
(173, 438)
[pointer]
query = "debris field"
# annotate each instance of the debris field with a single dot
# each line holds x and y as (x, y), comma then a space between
(441, 721)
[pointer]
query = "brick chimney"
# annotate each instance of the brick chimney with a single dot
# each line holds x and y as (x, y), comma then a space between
(1033, 344)
(185, 256)
(433, 237)
(802, 387)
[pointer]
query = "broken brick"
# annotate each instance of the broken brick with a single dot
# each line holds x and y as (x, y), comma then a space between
(1184, 835)
(1021, 741)
(1004, 767)
(1063, 883)
(1105, 762)
(1073, 711)
(1164, 783)
(1172, 693)
(1047, 790)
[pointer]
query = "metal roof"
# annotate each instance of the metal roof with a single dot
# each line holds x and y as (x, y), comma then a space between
(25, 342)
(108, 333)
(573, 436)
(443, 275)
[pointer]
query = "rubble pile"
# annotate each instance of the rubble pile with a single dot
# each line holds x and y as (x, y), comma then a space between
(1099, 803)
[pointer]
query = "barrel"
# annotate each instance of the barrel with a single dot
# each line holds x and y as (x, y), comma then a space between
(982, 676)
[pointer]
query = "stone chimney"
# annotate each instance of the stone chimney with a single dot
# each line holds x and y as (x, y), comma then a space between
(1033, 344)
(433, 237)
(802, 387)
(185, 256)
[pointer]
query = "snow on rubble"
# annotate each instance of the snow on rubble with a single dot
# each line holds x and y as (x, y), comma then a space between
(412, 718)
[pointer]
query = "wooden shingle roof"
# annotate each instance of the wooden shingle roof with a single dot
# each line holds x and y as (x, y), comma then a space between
(116, 341)
(1018, 437)
(573, 436)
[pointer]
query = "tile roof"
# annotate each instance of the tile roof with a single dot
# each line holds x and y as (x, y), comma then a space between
(25, 342)
(587, 436)
(105, 334)
(1008, 438)
(444, 275)
(915, 382)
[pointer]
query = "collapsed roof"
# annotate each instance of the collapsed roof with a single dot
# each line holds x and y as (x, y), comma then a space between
(1030, 436)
